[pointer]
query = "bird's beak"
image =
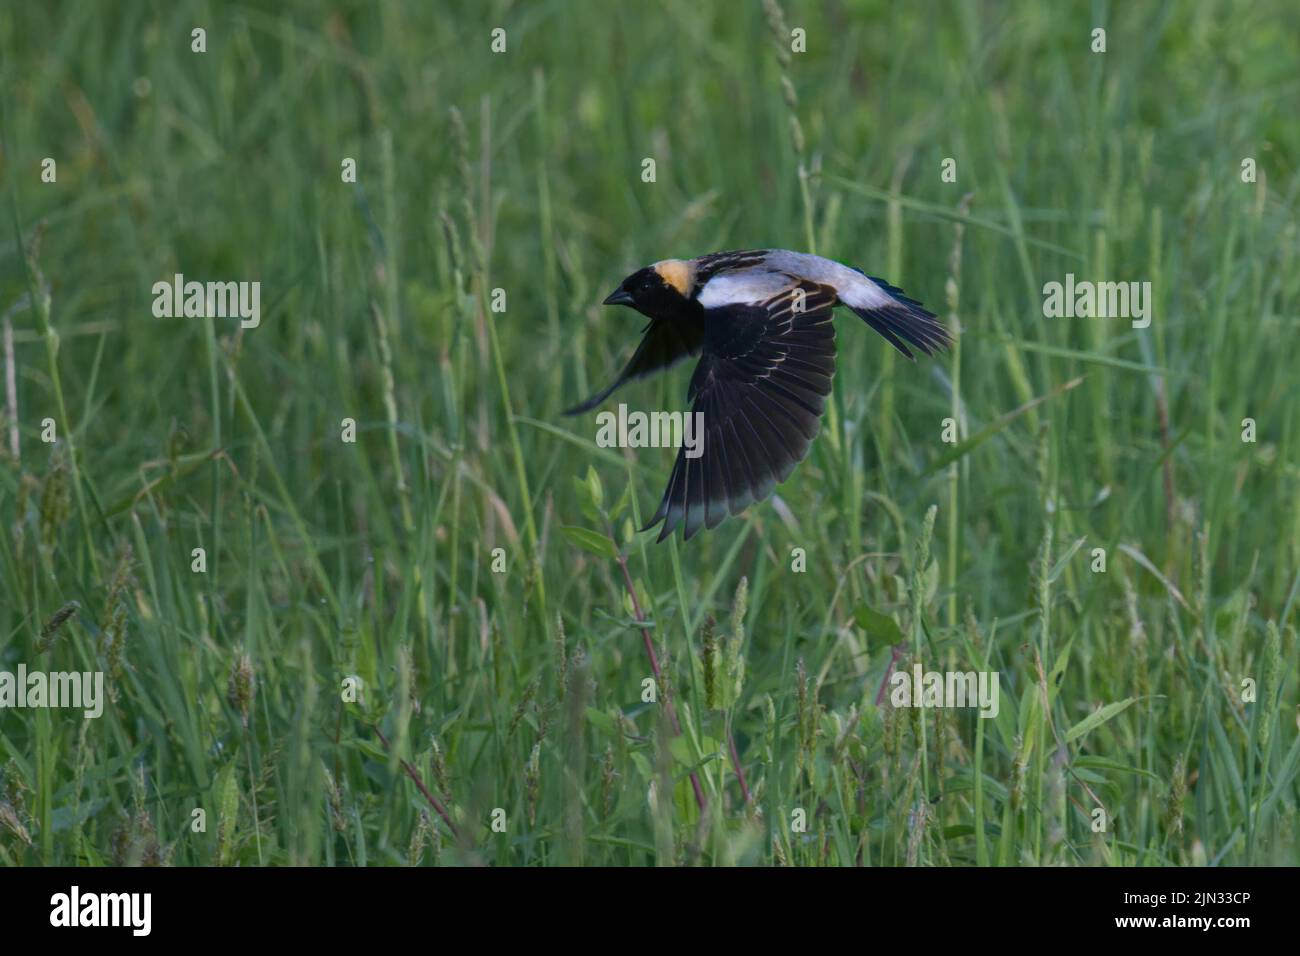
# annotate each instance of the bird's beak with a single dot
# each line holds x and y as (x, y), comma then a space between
(618, 297)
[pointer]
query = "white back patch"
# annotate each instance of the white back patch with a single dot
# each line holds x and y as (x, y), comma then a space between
(749, 287)
(854, 288)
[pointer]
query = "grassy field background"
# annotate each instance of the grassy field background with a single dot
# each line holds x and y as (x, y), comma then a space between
(517, 697)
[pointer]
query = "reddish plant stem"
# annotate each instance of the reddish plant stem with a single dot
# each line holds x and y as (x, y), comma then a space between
(419, 784)
(889, 672)
(740, 771)
(659, 680)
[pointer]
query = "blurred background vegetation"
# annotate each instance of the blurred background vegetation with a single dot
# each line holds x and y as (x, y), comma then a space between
(517, 697)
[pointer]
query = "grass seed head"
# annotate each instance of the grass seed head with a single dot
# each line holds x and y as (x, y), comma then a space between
(709, 640)
(1174, 799)
(56, 621)
(242, 686)
(419, 839)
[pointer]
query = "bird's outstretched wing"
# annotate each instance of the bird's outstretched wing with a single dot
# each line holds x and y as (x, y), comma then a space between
(761, 384)
(663, 345)
(706, 267)
(902, 321)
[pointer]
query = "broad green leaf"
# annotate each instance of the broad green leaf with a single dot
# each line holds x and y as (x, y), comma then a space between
(593, 484)
(593, 541)
(1097, 718)
(622, 501)
(682, 752)
(583, 490)
(878, 627)
(930, 582)
(600, 720)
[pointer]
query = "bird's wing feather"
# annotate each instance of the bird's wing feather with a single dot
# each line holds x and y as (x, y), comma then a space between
(902, 320)
(761, 384)
(724, 276)
(706, 267)
(663, 345)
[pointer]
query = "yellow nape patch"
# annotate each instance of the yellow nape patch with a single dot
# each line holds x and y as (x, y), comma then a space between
(678, 274)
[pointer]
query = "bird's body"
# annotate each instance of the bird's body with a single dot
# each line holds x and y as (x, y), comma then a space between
(760, 320)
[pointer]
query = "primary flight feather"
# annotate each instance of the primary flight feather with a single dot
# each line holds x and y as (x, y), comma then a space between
(760, 321)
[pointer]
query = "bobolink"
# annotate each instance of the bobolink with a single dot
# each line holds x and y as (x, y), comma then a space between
(760, 320)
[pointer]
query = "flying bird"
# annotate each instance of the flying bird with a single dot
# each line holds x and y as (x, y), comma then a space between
(760, 322)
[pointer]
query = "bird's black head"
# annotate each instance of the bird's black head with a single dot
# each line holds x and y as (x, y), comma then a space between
(656, 290)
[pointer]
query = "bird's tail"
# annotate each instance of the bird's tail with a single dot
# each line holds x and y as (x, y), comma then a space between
(903, 321)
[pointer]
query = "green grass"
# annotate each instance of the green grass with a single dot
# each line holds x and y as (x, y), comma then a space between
(522, 691)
